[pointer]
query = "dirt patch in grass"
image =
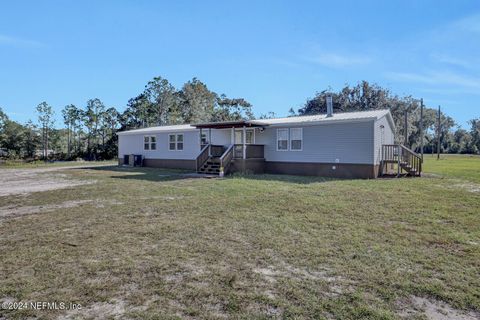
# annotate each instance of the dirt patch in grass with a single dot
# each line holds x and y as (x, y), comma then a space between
(336, 284)
(433, 310)
(13, 211)
(470, 187)
(25, 181)
(106, 310)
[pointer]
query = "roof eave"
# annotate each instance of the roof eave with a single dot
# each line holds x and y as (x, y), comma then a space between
(323, 121)
(134, 132)
(229, 124)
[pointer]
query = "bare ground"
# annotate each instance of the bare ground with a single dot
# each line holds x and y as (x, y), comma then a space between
(433, 309)
(13, 211)
(25, 181)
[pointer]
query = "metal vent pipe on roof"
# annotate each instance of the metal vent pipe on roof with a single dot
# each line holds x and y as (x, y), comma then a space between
(329, 106)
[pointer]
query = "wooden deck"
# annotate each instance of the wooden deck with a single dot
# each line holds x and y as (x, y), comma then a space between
(215, 158)
(398, 160)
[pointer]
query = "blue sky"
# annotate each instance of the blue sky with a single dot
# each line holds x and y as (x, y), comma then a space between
(275, 54)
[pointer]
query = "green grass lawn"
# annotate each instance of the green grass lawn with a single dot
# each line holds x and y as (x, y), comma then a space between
(42, 164)
(463, 167)
(151, 244)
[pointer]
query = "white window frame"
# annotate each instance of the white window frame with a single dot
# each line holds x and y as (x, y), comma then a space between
(241, 134)
(203, 136)
(150, 143)
(253, 135)
(176, 142)
(290, 139)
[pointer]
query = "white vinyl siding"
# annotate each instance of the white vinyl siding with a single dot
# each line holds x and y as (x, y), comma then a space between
(382, 136)
(324, 143)
(352, 142)
(133, 144)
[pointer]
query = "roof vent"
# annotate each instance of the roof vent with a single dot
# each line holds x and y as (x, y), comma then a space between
(329, 106)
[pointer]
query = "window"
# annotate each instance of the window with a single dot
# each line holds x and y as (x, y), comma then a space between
(146, 143)
(296, 139)
(204, 139)
(149, 143)
(250, 137)
(249, 134)
(175, 142)
(290, 139)
(172, 141)
(179, 141)
(282, 139)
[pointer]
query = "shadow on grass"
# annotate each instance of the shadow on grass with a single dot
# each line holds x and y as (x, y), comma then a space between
(145, 173)
(164, 174)
(284, 178)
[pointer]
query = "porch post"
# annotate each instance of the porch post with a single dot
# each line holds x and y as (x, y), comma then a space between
(232, 136)
(244, 139)
(200, 138)
(210, 141)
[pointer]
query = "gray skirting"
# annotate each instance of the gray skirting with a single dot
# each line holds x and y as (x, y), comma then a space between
(258, 166)
(248, 166)
(167, 163)
(337, 170)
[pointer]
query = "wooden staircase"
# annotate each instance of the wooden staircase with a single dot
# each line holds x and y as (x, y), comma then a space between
(211, 166)
(212, 158)
(398, 160)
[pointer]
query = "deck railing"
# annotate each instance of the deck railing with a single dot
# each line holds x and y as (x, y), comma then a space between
(405, 159)
(203, 156)
(226, 159)
(217, 150)
(252, 151)
(412, 160)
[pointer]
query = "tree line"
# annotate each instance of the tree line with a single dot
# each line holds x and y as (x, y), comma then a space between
(365, 96)
(89, 132)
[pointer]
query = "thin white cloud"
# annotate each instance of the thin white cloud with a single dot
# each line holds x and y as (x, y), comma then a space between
(410, 77)
(443, 58)
(438, 78)
(470, 23)
(449, 91)
(336, 60)
(19, 42)
(285, 62)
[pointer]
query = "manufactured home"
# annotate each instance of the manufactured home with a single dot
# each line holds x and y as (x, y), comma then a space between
(347, 145)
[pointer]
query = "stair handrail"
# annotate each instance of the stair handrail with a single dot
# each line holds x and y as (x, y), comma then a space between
(405, 158)
(202, 156)
(226, 158)
(413, 159)
(410, 151)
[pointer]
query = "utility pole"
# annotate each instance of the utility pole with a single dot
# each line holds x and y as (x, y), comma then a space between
(421, 127)
(405, 143)
(438, 135)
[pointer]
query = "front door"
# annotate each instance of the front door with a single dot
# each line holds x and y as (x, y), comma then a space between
(250, 136)
(238, 137)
